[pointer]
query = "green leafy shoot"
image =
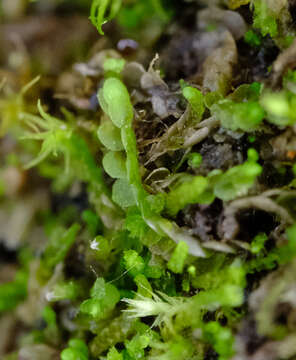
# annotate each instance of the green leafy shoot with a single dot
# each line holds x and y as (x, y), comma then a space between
(221, 339)
(178, 258)
(56, 135)
(115, 101)
(113, 354)
(195, 99)
(278, 256)
(236, 181)
(258, 243)
(194, 160)
(264, 18)
(103, 11)
(104, 297)
(133, 262)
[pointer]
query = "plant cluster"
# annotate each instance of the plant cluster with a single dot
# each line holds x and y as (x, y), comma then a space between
(182, 234)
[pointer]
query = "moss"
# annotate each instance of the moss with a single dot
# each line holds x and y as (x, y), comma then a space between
(144, 253)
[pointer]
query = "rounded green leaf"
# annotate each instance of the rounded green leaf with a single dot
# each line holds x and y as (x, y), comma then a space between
(114, 164)
(110, 136)
(122, 193)
(117, 99)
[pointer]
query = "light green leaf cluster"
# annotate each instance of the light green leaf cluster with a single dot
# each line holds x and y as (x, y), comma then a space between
(264, 18)
(56, 135)
(221, 338)
(258, 243)
(245, 116)
(104, 297)
(236, 181)
(241, 110)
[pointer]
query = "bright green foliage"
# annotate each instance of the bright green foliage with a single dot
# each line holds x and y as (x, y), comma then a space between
(212, 98)
(279, 255)
(135, 347)
(195, 99)
(252, 38)
(113, 354)
(236, 181)
(55, 136)
(114, 164)
(103, 11)
(104, 297)
(221, 339)
(194, 160)
(115, 101)
(189, 192)
(122, 193)
(258, 243)
(138, 228)
(57, 248)
(264, 18)
(244, 116)
(77, 350)
(280, 107)
(179, 313)
(133, 262)
(176, 262)
(110, 136)
(12, 293)
(59, 137)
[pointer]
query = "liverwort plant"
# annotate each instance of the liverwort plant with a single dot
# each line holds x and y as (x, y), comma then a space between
(115, 102)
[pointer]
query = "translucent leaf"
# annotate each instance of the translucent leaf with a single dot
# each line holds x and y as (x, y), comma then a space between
(116, 102)
(110, 137)
(114, 165)
(195, 99)
(122, 193)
